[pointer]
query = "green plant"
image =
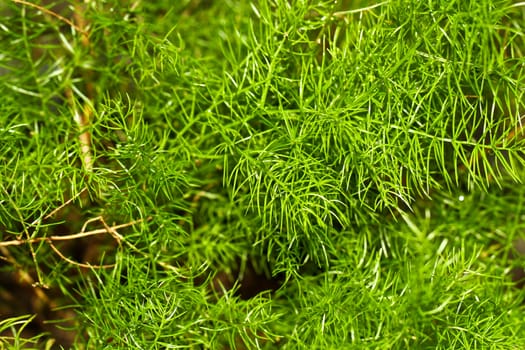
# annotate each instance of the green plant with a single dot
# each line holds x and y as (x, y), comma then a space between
(266, 174)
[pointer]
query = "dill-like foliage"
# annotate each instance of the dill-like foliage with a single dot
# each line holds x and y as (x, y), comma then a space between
(264, 174)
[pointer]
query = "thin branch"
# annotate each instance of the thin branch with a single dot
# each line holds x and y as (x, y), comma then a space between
(51, 13)
(72, 262)
(49, 240)
(110, 230)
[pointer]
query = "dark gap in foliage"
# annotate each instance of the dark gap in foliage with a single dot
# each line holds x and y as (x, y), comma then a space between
(247, 280)
(518, 273)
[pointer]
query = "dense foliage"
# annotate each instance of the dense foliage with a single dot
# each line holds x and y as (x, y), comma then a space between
(266, 174)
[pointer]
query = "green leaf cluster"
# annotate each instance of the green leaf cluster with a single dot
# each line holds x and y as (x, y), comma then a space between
(366, 156)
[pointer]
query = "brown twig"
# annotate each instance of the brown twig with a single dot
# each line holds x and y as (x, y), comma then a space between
(82, 234)
(72, 262)
(51, 13)
(49, 240)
